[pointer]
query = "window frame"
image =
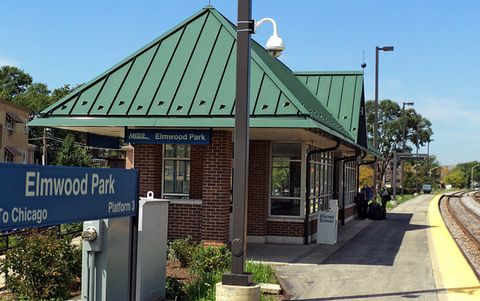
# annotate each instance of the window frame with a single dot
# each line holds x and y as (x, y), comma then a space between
(9, 120)
(350, 184)
(175, 195)
(302, 181)
(325, 163)
(9, 155)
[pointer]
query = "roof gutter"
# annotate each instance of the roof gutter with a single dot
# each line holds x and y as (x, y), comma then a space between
(307, 192)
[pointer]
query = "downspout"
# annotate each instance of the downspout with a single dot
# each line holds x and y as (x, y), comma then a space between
(307, 192)
(345, 160)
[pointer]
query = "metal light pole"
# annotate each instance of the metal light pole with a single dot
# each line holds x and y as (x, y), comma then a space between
(404, 133)
(375, 123)
(471, 177)
(245, 28)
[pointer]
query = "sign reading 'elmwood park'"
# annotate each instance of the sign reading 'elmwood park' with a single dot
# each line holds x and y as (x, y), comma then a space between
(161, 136)
(38, 196)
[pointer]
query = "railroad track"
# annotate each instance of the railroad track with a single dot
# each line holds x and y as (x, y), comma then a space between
(463, 221)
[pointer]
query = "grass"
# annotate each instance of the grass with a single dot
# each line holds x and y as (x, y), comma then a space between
(400, 199)
(204, 289)
(262, 273)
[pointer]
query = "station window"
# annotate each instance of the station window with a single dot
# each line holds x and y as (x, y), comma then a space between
(286, 178)
(176, 171)
(321, 180)
(350, 182)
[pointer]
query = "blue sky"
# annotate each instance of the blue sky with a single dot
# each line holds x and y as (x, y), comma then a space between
(435, 62)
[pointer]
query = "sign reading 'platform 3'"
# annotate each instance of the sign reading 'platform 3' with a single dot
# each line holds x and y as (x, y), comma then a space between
(159, 136)
(38, 196)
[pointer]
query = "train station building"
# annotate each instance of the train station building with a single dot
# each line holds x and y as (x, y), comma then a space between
(173, 101)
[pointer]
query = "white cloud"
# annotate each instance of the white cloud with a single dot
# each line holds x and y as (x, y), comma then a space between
(450, 111)
(7, 61)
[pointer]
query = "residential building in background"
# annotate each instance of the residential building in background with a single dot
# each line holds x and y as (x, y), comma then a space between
(14, 145)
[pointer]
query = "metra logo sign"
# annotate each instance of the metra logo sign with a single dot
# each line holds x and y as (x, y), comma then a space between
(159, 136)
(140, 136)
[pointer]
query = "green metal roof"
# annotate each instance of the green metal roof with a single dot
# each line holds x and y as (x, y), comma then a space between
(343, 95)
(189, 73)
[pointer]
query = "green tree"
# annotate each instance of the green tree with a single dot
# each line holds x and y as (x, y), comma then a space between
(421, 172)
(71, 154)
(36, 97)
(456, 178)
(13, 81)
(391, 119)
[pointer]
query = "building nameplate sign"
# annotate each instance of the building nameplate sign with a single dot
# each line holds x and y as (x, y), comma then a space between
(161, 136)
(39, 196)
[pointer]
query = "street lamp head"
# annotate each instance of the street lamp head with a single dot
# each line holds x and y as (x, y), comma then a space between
(274, 44)
(387, 48)
(411, 103)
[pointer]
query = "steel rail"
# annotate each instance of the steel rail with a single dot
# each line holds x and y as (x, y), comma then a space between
(462, 227)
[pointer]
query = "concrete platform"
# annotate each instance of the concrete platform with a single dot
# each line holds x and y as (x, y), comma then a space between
(380, 260)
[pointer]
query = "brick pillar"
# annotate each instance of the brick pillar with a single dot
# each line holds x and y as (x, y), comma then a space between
(217, 165)
(148, 162)
(196, 171)
(258, 176)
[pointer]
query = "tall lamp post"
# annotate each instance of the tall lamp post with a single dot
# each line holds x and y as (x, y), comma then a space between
(404, 138)
(471, 177)
(375, 123)
(245, 27)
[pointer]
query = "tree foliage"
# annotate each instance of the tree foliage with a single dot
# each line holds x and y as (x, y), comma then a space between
(13, 82)
(457, 178)
(366, 176)
(417, 173)
(391, 119)
(466, 170)
(71, 154)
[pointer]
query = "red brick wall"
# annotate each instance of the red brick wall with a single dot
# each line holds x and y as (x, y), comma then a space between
(196, 171)
(184, 220)
(350, 211)
(217, 165)
(148, 162)
(285, 228)
(258, 183)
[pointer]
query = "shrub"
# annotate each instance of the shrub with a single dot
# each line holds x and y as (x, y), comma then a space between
(209, 261)
(174, 289)
(41, 266)
(182, 250)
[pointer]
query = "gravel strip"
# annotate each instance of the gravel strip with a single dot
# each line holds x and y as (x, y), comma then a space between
(469, 249)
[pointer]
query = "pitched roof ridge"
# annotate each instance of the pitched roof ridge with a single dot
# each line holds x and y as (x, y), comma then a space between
(353, 72)
(259, 56)
(126, 60)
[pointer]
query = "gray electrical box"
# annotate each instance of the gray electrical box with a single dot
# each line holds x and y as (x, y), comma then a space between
(110, 255)
(152, 248)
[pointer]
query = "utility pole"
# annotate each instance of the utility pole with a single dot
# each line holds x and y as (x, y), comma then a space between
(44, 147)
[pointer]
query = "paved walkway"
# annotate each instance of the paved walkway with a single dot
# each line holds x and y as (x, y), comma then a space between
(387, 260)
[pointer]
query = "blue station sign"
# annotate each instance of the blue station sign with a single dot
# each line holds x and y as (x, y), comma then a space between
(38, 196)
(160, 136)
